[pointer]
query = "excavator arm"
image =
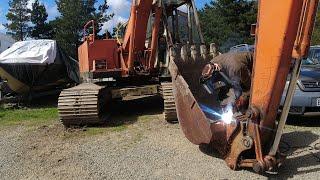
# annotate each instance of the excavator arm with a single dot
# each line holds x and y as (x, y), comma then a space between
(284, 32)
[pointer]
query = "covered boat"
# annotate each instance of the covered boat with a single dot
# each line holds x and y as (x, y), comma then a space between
(36, 66)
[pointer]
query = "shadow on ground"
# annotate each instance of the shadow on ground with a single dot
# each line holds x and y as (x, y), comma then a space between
(129, 111)
(209, 150)
(311, 121)
(302, 148)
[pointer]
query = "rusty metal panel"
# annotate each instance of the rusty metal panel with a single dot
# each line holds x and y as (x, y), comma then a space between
(83, 55)
(192, 120)
(98, 50)
(135, 91)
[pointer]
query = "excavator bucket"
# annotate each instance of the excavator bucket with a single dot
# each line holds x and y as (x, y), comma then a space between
(197, 109)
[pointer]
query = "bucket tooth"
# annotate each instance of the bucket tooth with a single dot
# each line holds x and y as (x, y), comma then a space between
(173, 53)
(194, 53)
(213, 50)
(184, 53)
(204, 52)
(190, 96)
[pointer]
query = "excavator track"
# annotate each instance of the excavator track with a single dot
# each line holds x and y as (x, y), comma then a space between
(170, 112)
(81, 105)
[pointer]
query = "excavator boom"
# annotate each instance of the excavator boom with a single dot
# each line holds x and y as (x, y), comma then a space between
(283, 30)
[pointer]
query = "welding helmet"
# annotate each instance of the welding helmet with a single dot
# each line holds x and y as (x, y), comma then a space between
(214, 83)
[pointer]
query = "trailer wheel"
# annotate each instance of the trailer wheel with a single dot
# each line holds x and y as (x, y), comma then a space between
(169, 109)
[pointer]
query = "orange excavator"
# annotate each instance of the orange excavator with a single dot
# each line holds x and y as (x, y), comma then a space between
(112, 69)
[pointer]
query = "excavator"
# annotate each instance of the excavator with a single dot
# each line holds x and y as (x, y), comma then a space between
(113, 69)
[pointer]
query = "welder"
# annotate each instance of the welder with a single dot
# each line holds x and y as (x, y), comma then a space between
(229, 75)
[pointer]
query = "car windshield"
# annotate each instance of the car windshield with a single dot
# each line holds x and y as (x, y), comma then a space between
(310, 62)
(313, 59)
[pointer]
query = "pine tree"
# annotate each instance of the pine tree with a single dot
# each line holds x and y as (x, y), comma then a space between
(39, 16)
(19, 17)
(119, 31)
(101, 16)
(316, 32)
(74, 15)
(228, 22)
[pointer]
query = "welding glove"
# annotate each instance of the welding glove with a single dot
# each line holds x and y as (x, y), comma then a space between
(210, 79)
(209, 69)
(242, 102)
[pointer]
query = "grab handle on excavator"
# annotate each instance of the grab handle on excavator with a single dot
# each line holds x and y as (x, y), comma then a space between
(90, 37)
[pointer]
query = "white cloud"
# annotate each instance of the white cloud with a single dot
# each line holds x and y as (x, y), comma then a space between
(2, 28)
(52, 11)
(113, 22)
(120, 7)
(121, 10)
(30, 4)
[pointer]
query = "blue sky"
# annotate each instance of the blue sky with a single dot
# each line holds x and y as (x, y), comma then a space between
(119, 7)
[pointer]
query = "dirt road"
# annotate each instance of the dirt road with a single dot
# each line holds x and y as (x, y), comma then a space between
(139, 147)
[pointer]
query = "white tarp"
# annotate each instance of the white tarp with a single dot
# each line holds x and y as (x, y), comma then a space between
(30, 52)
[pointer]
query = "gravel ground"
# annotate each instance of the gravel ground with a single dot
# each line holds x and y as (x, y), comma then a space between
(146, 148)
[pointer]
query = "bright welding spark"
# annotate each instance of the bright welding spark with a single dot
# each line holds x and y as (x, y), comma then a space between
(227, 117)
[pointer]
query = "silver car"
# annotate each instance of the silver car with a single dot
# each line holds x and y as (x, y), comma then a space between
(306, 100)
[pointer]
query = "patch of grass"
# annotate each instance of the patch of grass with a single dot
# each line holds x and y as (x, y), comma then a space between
(27, 117)
(119, 128)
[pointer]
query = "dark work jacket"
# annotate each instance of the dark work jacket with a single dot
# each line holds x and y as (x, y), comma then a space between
(238, 67)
